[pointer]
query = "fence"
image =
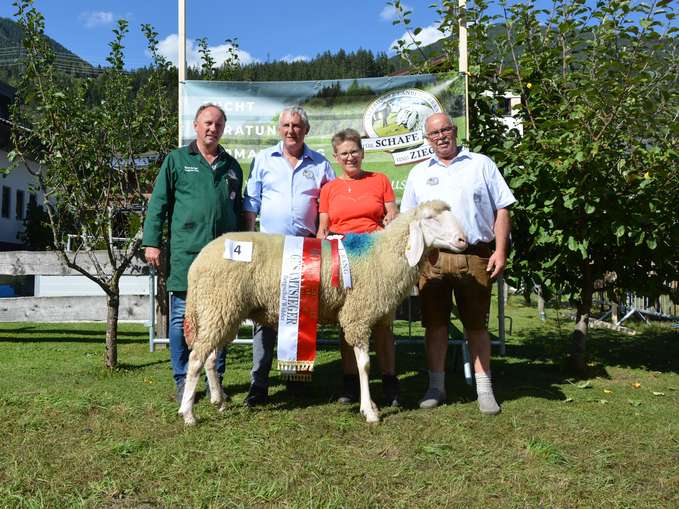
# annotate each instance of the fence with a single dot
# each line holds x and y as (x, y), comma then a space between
(65, 309)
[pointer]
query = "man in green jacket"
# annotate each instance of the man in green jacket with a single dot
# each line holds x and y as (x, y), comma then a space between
(198, 191)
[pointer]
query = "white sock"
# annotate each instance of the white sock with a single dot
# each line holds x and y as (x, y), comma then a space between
(483, 383)
(437, 380)
(486, 398)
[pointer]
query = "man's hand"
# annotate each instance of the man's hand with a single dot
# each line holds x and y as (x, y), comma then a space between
(152, 255)
(496, 264)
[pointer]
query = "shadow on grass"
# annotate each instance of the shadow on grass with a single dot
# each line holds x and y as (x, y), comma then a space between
(71, 339)
(122, 366)
(654, 348)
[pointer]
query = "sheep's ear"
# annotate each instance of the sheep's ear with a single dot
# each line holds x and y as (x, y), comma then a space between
(415, 244)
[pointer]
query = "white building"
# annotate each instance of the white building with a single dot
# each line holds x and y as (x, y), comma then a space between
(18, 187)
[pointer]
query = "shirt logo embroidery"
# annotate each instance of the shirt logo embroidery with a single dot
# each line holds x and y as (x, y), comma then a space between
(232, 196)
(433, 181)
(308, 174)
(191, 169)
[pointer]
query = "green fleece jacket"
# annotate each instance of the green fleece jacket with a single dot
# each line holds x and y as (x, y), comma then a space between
(199, 203)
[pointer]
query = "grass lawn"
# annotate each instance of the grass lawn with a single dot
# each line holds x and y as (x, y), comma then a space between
(75, 435)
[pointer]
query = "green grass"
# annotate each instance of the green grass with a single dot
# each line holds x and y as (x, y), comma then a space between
(75, 435)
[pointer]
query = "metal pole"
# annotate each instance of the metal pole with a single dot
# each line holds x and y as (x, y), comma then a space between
(152, 309)
(181, 67)
(463, 60)
(501, 313)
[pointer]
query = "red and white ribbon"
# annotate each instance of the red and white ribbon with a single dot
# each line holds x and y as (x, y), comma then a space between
(298, 318)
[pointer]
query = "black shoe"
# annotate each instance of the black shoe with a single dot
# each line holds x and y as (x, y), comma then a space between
(257, 396)
(179, 392)
(390, 390)
(351, 390)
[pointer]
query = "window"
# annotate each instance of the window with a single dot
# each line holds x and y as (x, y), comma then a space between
(20, 204)
(6, 197)
(32, 199)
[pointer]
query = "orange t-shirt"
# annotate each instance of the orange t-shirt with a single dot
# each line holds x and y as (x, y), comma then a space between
(356, 206)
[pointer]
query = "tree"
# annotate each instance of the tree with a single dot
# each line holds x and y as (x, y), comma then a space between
(98, 159)
(596, 170)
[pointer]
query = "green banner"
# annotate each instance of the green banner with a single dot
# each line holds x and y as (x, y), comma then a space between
(389, 113)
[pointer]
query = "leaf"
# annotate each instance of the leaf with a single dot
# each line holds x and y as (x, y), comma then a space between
(585, 385)
(603, 401)
(656, 393)
(620, 231)
(651, 243)
(634, 402)
(636, 385)
(568, 400)
(608, 391)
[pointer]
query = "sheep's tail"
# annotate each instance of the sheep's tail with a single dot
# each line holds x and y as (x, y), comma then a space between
(190, 320)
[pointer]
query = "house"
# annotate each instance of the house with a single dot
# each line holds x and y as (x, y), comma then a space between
(18, 188)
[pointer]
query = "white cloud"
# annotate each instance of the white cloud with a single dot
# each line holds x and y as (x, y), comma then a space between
(297, 58)
(389, 12)
(93, 19)
(169, 48)
(427, 36)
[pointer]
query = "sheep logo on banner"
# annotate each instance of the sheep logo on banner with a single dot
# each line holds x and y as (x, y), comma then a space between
(395, 124)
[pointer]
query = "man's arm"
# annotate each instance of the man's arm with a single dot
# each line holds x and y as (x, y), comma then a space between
(252, 198)
(502, 228)
(323, 220)
(157, 213)
(250, 220)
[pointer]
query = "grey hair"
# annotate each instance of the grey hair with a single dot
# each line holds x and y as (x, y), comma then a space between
(209, 105)
(297, 110)
(347, 134)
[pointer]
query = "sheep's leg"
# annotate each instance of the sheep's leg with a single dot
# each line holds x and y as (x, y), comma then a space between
(368, 408)
(192, 375)
(217, 396)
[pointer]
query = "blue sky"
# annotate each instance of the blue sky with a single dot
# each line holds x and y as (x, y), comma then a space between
(266, 30)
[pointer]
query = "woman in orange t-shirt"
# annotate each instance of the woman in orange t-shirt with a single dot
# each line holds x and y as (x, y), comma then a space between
(359, 201)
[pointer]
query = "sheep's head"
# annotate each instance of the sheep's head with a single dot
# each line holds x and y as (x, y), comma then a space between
(434, 225)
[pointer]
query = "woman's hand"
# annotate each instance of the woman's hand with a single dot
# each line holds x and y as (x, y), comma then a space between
(391, 214)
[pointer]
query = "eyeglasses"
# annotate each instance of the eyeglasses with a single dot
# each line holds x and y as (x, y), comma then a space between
(345, 155)
(444, 131)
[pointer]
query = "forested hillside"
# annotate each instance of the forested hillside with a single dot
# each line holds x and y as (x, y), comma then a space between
(11, 49)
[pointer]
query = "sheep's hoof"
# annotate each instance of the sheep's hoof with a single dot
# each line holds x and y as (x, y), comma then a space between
(189, 420)
(371, 417)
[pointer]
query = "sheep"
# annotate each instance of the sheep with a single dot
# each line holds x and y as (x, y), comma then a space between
(384, 267)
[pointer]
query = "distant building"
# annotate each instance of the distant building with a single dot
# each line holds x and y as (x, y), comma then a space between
(17, 189)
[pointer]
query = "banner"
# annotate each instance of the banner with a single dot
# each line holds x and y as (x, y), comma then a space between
(389, 113)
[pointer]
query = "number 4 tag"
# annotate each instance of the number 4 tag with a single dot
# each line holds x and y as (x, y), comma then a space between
(239, 251)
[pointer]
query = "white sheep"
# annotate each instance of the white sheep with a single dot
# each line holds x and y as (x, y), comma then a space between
(384, 267)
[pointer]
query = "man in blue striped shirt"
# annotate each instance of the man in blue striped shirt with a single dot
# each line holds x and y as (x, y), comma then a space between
(283, 188)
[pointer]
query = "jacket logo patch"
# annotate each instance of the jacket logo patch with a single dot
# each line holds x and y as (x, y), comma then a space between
(433, 181)
(191, 169)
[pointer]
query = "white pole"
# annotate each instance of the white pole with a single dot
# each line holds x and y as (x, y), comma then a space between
(181, 66)
(463, 62)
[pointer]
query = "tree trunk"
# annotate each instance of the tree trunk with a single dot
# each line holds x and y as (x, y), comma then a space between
(541, 308)
(111, 355)
(579, 336)
(162, 300)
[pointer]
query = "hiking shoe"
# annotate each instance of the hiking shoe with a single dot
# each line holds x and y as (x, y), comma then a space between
(351, 390)
(257, 396)
(432, 398)
(390, 390)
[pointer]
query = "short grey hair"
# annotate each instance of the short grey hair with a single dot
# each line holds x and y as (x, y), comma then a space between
(206, 106)
(297, 110)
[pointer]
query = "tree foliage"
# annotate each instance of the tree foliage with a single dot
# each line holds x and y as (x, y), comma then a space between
(596, 170)
(96, 159)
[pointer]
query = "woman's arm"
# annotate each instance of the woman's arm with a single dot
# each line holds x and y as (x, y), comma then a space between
(392, 212)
